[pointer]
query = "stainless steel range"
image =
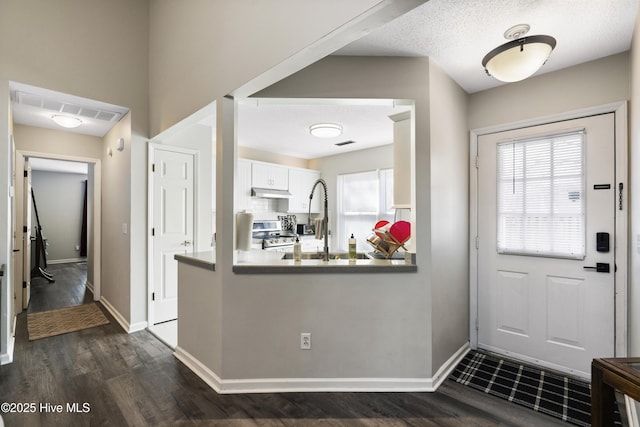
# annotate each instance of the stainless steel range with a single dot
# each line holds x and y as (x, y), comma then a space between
(269, 234)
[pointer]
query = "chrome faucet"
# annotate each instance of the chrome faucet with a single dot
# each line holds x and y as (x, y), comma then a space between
(325, 220)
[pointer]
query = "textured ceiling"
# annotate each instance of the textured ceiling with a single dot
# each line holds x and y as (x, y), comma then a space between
(457, 34)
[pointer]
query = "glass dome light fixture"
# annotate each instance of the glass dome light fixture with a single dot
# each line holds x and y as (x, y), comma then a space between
(68, 122)
(519, 58)
(325, 130)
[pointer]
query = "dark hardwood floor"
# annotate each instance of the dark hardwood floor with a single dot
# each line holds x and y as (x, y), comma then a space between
(124, 379)
(67, 290)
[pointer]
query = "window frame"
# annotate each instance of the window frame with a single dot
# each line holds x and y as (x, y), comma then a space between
(382, 184)
(552, 216)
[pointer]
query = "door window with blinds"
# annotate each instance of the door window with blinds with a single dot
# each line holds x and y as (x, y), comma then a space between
(540, 198)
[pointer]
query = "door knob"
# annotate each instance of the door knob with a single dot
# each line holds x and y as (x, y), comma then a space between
(601, 267)
(186, 243)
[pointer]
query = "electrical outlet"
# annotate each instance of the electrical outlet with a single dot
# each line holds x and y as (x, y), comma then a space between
(305, 341)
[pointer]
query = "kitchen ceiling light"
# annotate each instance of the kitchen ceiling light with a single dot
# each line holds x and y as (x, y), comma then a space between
(66, 121)
(519, 58)
(325, 130)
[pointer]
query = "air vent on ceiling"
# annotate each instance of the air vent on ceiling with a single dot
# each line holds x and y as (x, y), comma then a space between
(340, 144)
(71, 109)
(38, 101)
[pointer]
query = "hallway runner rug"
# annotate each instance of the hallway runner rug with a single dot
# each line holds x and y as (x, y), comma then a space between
(547, 392)
(63, 320)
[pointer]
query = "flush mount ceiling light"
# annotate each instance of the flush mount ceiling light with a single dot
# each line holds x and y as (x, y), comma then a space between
(66, 121)
(325, 130)
(519, 58)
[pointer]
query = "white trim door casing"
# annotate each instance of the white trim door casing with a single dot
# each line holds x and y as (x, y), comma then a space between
(26, 244)
(172, 219)
(94, 222)
(618, 295)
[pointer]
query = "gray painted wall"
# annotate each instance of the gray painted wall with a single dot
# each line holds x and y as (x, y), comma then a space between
(60, 200)
(117, 73)
(365, 325)
(449, 192)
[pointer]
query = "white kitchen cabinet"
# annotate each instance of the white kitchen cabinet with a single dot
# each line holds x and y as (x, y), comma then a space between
(300, 184)
(267, 175)
(242, 188)
(401, 160)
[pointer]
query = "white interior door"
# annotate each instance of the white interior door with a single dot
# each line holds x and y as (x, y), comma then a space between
(26, 235)
(173, 224)
(544, 292)
(18, 206)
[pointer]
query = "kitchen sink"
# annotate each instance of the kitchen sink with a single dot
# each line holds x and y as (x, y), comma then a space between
(332, 255)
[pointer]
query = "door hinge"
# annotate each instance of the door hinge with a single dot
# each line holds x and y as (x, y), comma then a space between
(153, 167)
(477, 324)
(477, 162)
(24, 229)
(620, 188)
(153, 231)
(153, 296)
(24, 285)
(26, 174)
(477, 242)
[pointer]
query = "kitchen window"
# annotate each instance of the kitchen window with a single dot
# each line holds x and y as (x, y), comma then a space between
(363, 199)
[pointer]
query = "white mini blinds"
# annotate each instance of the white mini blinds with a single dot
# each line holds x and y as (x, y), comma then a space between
(541, 206)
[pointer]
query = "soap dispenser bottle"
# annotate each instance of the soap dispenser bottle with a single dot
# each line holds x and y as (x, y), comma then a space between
(297, 250)
(352, 248)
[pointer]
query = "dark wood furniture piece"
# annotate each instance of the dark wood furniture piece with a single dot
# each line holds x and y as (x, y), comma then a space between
(607, 376)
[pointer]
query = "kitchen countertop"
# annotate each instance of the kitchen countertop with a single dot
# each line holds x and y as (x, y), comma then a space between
(205, 259)
(266, 262)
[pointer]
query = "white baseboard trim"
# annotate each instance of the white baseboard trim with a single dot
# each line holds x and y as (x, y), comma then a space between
(124, 324)
(205, 374)
(286, 385)
(451, 363)
(66, 261)
(138, 326)
(89, 286)
(6, 358)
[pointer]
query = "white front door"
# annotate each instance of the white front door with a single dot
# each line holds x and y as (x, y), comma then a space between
(173, 224)
(547, 199)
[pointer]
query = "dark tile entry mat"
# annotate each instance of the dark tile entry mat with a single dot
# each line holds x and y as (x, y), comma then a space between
(551, 393)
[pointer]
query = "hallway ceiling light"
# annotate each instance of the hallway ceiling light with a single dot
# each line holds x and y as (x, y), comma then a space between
(66, 121)
(519, 58)
(325, 130)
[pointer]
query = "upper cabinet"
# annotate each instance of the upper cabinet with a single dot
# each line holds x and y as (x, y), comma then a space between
(297, 181)
(266, 175)
(401, 160)
(300, 184)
